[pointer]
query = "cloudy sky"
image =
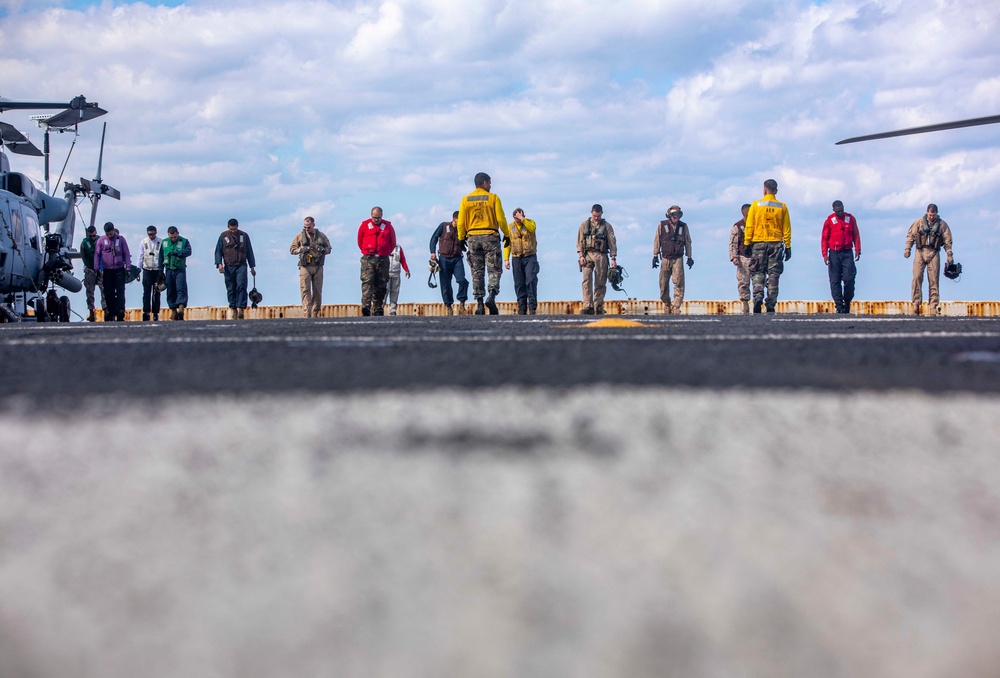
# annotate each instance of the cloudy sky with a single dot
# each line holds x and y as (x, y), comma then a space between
(269, 111)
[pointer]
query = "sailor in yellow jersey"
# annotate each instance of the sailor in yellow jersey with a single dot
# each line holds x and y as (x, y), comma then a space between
(768, 242)
(480, 222)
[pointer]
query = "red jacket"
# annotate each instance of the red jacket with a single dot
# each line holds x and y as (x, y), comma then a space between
(380, 240)
(840, 234)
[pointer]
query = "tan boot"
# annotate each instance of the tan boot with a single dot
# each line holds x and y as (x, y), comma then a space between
(448, 310)
(180, 312)
(461, 308)
(240, 313)
(746, 305)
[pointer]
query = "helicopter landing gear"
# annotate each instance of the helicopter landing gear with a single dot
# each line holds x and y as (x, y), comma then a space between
(41, 315)
(64, 309)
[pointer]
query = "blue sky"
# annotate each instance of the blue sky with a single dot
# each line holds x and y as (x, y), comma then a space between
(272, 111)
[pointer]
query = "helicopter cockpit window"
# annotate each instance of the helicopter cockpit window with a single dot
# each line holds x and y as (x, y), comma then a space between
(31, 230)
(15, 224)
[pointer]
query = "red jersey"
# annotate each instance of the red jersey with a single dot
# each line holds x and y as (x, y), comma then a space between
(840, 233)
(380, 240)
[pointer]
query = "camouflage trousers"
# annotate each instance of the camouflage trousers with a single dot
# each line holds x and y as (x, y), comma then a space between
(374, 280)
(766, 266)
(743, 278)
(485, 254)
(92, 279)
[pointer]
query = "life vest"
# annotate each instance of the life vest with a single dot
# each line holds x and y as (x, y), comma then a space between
(448, 241)
(522, 241)
(595, 239)
(672, 240)
(234, 248)
(929, 235)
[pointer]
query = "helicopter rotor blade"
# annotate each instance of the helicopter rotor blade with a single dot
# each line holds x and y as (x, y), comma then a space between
(14, 140)
(972, 122)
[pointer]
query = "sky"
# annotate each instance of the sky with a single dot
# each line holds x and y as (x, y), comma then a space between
(271, 111)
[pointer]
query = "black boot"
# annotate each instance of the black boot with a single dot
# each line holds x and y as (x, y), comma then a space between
(491, 304)
(847, 307)
(92, 316)
(522, 309)
(479, 306)
(757, 306)
(366, 310)
(145, 317)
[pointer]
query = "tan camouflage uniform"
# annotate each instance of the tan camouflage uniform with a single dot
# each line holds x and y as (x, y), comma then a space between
(595, 242)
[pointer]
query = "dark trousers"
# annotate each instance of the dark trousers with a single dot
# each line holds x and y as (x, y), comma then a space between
(453, 267)
(114, 293)
(236, 285)
(150, 292)
(525, 270)
(842, 274)
(177, 288)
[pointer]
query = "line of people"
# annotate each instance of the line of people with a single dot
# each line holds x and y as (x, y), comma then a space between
(759, 246)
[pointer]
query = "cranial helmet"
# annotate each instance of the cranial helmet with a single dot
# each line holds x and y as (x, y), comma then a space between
(616, 276)
(255, 297)
(953, 271)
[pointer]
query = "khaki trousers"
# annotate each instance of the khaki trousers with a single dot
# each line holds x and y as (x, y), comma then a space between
(595, 279)
(311, 286)
(672, 269)
(930, 260)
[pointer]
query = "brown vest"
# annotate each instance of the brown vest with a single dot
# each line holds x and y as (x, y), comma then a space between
(672, 241)
(234, 248)
(448, 241)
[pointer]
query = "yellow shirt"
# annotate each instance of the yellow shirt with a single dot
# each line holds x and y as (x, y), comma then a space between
(481, 214)
(768, 221)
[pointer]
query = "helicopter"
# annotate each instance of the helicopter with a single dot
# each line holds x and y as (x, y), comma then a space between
(36, 228)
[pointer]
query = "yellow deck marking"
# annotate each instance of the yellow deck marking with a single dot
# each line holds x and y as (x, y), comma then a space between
(614, 322)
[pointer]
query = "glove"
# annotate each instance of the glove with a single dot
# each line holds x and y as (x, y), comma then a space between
(656, 261)
(788, 253)
(748, 251)
(463, 245)
(690, 262)
(906, 254)
(826, 261)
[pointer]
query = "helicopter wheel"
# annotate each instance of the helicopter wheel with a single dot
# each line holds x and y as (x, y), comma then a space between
(64, 309)
(40, 314)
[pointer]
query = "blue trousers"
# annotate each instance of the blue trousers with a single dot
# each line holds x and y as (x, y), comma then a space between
(525, 270)
(842, 274)
(114, 291)
(236, 285)
(177, 288)
(453, 267)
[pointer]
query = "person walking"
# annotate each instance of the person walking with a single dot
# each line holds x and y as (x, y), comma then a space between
(928, 234)
(523, 252)
(449, 259)
(152, 271)
(768, 242)
(376, 240)
(311, 246)
(397, 262)
(595, 242)
(233, 255)
(481, 221)
(173, 260)
(742, 263)
(671, 244)
(840, 245)
(92, 278)
(113, 260)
